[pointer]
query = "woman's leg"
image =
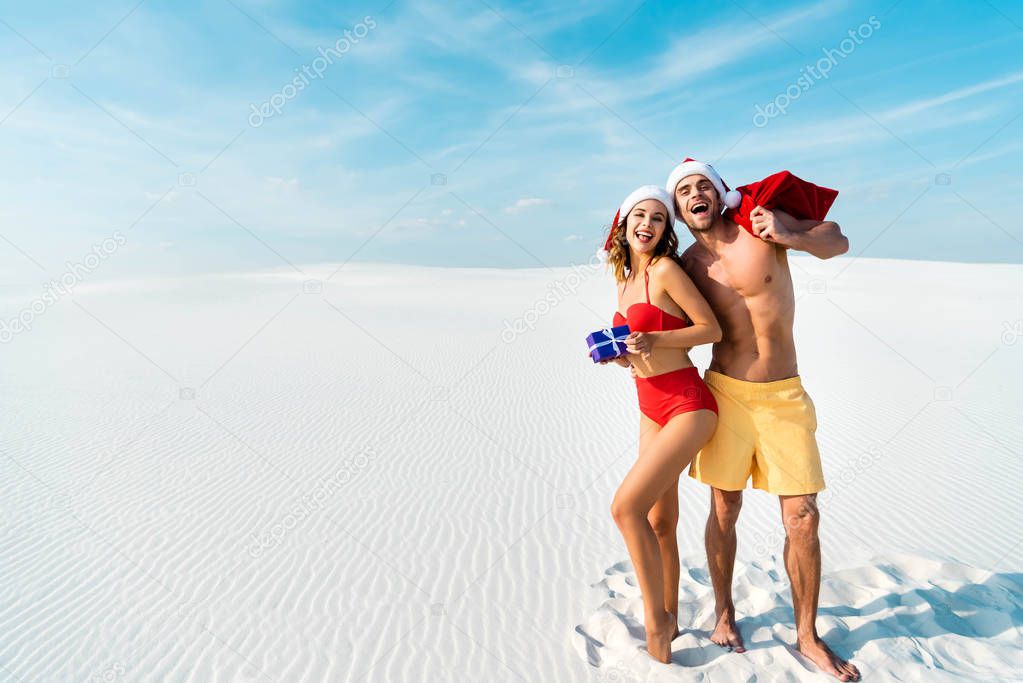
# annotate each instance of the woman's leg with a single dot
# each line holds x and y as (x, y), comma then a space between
(663, 518)
(657, 469)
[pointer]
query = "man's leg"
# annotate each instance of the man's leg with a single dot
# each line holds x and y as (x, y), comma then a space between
(720, 541)
(803, 564)
(663, 518)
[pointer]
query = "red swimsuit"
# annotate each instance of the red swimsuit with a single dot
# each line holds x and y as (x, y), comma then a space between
(662, 397)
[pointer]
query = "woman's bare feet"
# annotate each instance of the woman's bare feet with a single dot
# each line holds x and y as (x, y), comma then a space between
(659, 636)
(827, 661)
(674, 621)
(726, 633)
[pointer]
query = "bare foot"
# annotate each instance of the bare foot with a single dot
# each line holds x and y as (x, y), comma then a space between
(674, 620)
(726, 633)
(827, 661)
(659, 636)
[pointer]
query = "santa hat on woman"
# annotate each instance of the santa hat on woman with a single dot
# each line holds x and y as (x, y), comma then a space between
(729, 198)
(638, 195)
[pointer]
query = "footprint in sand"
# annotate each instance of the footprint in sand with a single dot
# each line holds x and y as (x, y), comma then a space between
(897, 618)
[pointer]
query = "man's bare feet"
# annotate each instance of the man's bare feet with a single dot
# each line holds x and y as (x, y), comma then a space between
(726, 633)
(827, 661)
(659, 636)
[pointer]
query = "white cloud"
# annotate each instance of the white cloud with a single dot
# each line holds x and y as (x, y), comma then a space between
(168, 198)
(282, 184)
(525, 204)
(793, 140)
(705, 51)
(920, 105)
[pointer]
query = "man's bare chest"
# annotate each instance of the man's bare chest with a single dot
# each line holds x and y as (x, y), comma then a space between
(744, 276)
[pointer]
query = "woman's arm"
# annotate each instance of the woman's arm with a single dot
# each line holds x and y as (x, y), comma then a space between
(705, 328)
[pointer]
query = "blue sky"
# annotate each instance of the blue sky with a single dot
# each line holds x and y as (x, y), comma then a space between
(489, 133)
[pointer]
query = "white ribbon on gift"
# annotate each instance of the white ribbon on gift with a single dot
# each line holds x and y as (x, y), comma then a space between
(613, 341)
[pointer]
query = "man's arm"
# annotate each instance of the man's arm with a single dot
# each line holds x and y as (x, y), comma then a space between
(822, 239)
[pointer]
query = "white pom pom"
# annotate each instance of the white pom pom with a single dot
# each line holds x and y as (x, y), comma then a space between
(603, 255)
(733, 199)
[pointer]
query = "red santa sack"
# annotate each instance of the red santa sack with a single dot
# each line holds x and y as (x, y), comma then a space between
(791, 194)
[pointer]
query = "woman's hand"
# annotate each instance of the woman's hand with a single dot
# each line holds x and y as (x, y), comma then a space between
(641, 343)
(620, 360)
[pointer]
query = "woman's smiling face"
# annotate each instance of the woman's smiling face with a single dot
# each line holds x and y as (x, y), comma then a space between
(645, 225)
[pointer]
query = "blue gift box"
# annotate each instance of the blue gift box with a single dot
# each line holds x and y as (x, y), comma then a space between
(608, 343)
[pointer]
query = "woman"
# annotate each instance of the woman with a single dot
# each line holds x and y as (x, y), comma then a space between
(667, 316)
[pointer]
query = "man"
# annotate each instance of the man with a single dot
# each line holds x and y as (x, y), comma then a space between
(766, 420)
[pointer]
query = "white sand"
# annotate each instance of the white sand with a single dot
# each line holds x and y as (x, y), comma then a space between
(438, 486)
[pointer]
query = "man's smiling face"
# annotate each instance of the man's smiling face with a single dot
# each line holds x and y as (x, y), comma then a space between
(698, 202)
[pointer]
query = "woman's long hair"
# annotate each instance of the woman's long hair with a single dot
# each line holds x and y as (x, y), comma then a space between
(619, 255)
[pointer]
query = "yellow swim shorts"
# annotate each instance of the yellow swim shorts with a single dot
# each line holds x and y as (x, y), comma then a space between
(765, 430)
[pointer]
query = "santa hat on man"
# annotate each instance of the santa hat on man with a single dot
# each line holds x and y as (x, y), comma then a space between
(782, 190)
(729, 198)
(638, 195)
